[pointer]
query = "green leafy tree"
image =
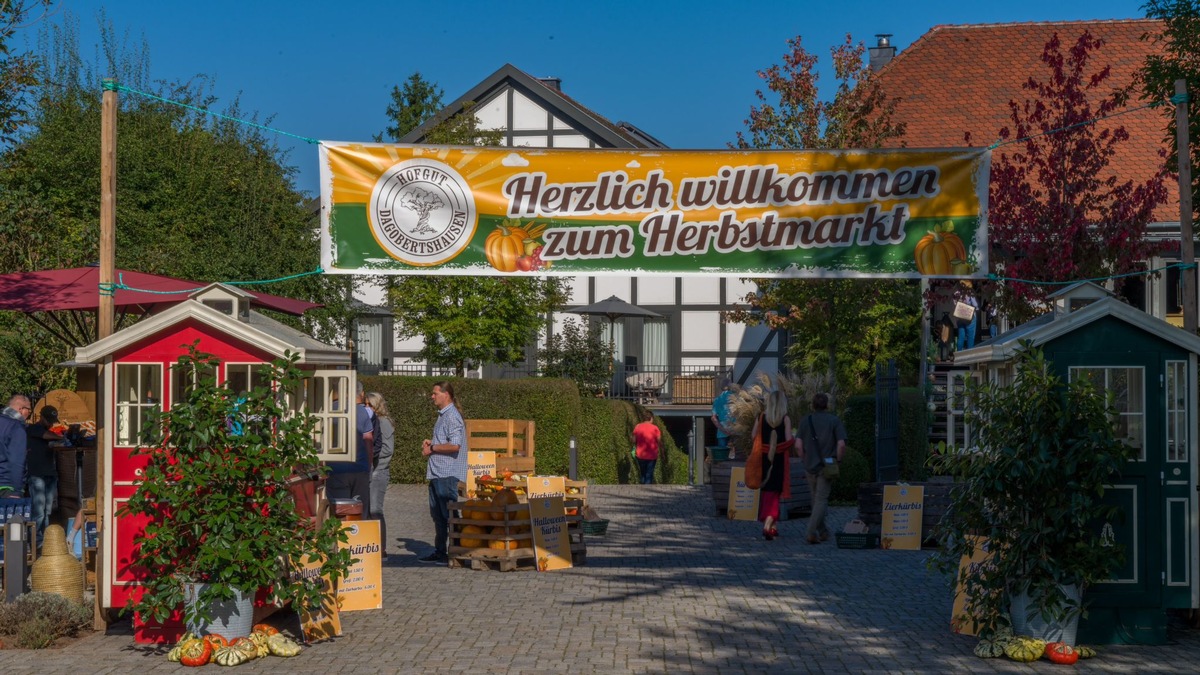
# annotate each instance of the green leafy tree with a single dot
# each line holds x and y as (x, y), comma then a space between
(463, 319)
(412, 104)
(473, 320)
(829, 318)
(580, 353)
(197, 198)
(17, 69)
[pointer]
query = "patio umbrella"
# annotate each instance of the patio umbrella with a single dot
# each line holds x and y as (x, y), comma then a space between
(614, 308)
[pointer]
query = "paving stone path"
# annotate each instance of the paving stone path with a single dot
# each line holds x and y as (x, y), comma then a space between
(669, 588)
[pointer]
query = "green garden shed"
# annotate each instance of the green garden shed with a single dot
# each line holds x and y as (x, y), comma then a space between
(1150, 366)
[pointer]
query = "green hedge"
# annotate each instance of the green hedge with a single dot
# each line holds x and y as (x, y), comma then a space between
(859, 419)
(602, 427)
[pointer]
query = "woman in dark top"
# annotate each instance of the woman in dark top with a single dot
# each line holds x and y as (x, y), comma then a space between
(775, 429)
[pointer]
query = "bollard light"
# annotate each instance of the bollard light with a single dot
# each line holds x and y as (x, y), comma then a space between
(16, 567)
(691, 443)
(573, 467)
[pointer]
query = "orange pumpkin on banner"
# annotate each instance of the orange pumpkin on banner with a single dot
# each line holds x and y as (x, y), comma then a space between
(505, 245)
(938, 252)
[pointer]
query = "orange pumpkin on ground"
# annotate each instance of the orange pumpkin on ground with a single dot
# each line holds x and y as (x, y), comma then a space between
(503, 499)
(505, 245)
(466, 542)
(939, 251)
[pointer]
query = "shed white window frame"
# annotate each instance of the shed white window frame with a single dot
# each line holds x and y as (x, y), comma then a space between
(1178, 440)
(1128, 417)
(327, 394)
(132, 407)
(179, 388)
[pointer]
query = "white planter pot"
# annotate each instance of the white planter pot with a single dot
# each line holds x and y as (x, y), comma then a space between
(1037, 627)
(231, 618)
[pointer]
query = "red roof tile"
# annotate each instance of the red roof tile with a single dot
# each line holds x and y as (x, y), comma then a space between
(959, 79)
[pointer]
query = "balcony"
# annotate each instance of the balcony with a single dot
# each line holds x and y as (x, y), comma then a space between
(647, 385)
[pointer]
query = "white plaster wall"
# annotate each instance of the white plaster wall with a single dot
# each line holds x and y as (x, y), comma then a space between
(493, 114)
(571, 141)
(699, 331)
(740, 337)
(736, 289)
(527, 115)
(618, 286)
(656, 290)
(701, 290)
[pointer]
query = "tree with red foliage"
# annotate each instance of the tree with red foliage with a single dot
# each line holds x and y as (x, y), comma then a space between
(1057, 210)
(821, 315)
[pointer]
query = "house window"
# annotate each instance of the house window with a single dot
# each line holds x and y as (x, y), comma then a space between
(1125, 388)
(243, 378)
(139, 394)
(370, 344)
(327, 394)
(1177, 412)
(185, 377)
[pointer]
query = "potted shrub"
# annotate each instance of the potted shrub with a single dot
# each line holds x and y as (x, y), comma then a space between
(1032, 488)
(215, 494)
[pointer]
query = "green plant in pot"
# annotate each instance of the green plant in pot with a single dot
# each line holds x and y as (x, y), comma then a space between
(215, 497)
(1032, 487)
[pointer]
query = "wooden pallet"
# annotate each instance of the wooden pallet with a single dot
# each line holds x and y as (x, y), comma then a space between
(518, 560)
(798, 506)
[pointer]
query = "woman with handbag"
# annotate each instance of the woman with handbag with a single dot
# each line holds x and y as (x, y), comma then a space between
(772, 443)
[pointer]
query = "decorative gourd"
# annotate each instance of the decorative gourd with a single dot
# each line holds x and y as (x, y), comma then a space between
(176, 653)
(938, 251)
(229, 656)
(246, 646)
(260, 642)
(195, 652)
(501, 501)
(1023, 649)
(504, 246)
(282, 645)
(216, 640)
(1085, 652)
(1061, 653)
(466, 542)
(989, 649)
(265, 628)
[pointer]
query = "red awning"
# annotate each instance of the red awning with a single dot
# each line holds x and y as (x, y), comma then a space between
(78, 288)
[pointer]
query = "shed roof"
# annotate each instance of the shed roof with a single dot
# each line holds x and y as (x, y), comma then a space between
(1048, 326)
(257, 329)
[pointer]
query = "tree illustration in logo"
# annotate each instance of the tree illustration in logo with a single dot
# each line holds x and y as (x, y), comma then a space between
(421, 202)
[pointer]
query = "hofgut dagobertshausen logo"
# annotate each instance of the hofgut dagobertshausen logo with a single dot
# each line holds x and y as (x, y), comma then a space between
(422, 212)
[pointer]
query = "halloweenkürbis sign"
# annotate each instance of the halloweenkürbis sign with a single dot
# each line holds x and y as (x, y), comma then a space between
(397, 209)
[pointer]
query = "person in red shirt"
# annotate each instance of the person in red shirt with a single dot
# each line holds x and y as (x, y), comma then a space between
(647, 437)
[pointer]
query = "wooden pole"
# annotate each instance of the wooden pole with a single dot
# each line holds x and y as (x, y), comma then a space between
(1187, 247)
(108, 206)
(104, 328)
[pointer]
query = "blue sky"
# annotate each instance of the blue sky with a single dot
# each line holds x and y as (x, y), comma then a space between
(684, 72)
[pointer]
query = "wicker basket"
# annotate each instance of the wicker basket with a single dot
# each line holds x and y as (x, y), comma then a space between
(596, 528)
(57, 571)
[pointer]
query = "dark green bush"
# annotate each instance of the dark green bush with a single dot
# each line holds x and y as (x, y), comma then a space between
(37, 620)
(859, 418)
(602, 427)
(854, 470)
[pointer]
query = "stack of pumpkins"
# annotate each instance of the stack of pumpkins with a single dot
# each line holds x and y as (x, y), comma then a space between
(499, 503)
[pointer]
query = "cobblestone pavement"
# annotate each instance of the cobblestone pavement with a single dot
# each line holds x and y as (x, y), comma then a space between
(670, 588)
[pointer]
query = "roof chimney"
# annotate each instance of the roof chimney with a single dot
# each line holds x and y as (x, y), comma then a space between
(554, 83)
(882, 53)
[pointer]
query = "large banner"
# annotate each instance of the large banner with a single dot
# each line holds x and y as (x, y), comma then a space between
(398, 209)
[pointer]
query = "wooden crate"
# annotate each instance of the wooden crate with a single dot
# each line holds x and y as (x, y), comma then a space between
(693, 390)
(508, 522)
(576, 491)
(798, 506)
(513, 441)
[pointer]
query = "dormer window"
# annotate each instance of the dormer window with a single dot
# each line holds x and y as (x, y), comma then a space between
(223, 306)
(227, 300)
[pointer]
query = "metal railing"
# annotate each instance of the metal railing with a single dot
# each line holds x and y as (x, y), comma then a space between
(649, 385)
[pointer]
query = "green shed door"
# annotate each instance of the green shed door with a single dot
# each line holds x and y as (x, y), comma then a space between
(1178, 460)
(1132, 381)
